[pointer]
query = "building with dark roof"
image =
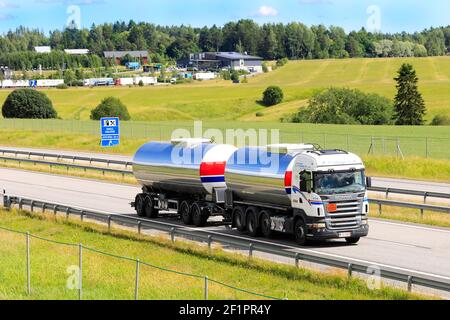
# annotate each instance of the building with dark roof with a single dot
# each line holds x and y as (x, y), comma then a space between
(221, 60)
(141, 56)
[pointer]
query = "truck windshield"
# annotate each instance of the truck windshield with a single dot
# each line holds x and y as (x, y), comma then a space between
(339, 182)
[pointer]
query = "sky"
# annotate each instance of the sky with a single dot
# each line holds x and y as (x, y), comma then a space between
(376, 15)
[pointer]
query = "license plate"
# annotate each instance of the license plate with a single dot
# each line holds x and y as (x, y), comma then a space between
(345, 235)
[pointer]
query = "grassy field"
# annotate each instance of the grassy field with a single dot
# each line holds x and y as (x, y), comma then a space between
(106, 277)
(222, 100)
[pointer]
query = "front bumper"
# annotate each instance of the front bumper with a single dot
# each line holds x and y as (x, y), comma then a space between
(326, 234)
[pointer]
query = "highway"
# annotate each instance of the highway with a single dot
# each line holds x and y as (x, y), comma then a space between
(376, 181)
(412, 247)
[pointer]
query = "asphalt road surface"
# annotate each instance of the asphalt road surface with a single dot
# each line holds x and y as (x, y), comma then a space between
(412, 247)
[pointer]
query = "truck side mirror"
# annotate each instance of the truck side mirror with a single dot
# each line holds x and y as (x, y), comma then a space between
(368, 182)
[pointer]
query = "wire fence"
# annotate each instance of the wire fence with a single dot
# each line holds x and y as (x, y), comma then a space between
(402, 146)
(134, 283)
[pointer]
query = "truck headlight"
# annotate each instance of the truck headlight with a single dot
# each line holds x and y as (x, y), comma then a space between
(318, 226)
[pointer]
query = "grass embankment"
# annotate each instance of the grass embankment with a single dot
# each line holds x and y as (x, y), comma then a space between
(222, 100)
(108, 278)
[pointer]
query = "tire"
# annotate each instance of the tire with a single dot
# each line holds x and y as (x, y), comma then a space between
(149, 208)
(300, 232)
(352, 240)
(266, 224)
(199, 215)
(239, 218)
(139, 205)
(185, 213)
(253, 226)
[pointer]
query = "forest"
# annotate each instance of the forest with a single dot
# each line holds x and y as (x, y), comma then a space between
(169, 43)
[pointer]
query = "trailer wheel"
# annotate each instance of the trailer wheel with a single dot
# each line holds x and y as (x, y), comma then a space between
(300, 232)
(266, 224)
(149, 208)
(239, 218)
(139, 205)
(199, 215)
(253, 226)
(185, 213)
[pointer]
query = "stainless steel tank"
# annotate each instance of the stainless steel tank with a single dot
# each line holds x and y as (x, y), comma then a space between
(193, 167)
(258, 175)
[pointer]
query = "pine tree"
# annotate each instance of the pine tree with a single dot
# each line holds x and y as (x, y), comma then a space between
(409, 104)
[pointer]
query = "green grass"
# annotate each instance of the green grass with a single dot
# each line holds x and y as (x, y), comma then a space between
(222, 100)
(108, 278)
(388, 166)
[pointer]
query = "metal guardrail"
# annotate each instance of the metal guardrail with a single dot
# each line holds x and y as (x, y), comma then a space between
(66, 157)
(424, 194)
(410, 205)
(409, 277)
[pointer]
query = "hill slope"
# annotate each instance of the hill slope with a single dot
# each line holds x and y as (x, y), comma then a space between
(221, 100)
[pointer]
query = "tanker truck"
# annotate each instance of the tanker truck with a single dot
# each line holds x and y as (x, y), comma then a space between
(301, 190)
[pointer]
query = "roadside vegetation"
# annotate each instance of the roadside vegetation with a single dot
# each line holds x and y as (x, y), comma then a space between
(108, 278)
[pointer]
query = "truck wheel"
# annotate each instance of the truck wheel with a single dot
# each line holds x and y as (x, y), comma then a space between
(352, 240)
(253, 227)
(239, 218)
(300, 232)
(149, 208)
(185, 213)
(199, 215)
(139, 205)
(266, 224)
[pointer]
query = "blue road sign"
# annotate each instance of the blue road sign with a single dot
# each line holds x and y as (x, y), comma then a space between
(110, 132)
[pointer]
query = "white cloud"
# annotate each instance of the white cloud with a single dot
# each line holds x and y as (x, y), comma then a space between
(5, 4)
(266, 11)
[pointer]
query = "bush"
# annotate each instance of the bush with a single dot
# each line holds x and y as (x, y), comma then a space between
(272, 96)
(111, 107)
(346, 106)
(141, 83)
(259, 114)
(282, 62)
(28, 104)
(235, 76)
(265, 67)
(441, 120)
(62, 86)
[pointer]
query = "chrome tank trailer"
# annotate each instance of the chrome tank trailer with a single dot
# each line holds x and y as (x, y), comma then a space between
(261, 176)
(194, 167)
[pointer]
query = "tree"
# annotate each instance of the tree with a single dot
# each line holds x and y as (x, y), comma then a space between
(409, 105)
(28, 104)
(346, 106)
(110, 107)
(272, 96)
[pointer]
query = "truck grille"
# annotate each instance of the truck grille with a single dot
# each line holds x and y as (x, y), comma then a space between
(347, 215)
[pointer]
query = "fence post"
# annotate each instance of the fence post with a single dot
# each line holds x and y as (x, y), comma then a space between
(136, 288)
(80, 276)
(350, 270)
(209, 243)
(206, 288)
(28, 264)
(250, 250)
(379, 209)
(410, 282)
(297, 259)
(139, 227)
(172, 234)
(109, 224)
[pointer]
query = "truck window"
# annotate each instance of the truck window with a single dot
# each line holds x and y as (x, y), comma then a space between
(305, 181)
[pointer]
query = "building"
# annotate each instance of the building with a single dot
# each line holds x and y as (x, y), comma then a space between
(221, 60)
(141, 56)
(43, 49)
(77, 52)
